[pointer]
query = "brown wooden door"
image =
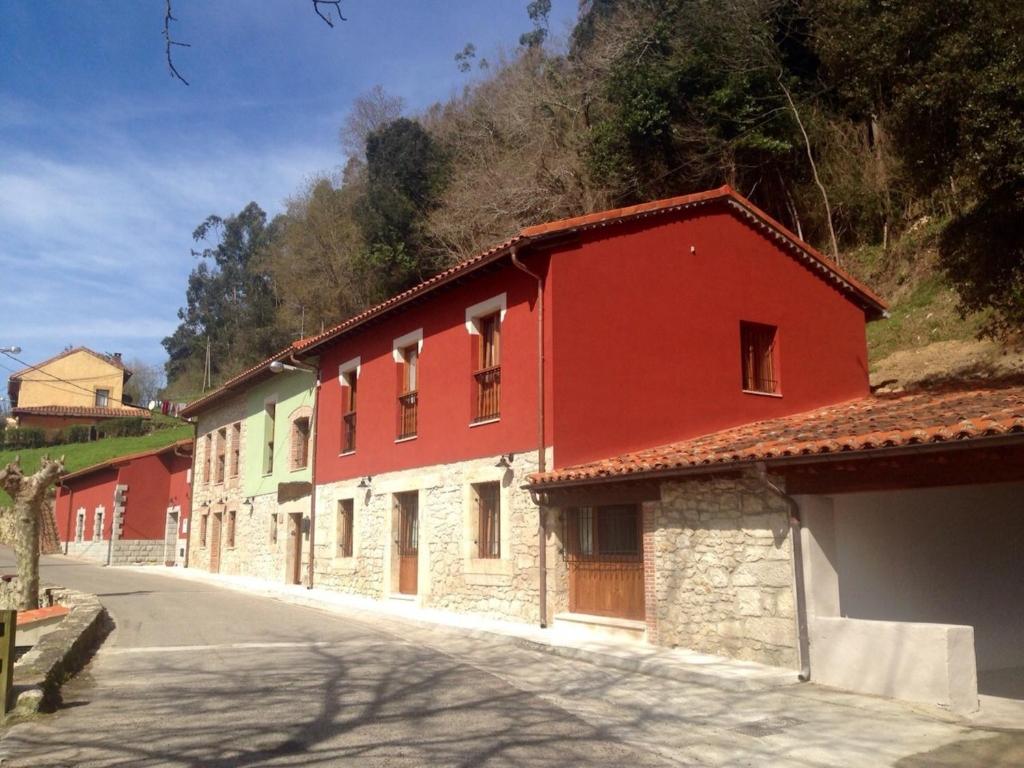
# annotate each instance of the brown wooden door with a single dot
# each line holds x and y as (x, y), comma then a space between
(605, 558)
(215, 542)
(294, 565)
(408, 543)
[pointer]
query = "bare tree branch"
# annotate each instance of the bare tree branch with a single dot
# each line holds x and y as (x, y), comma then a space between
(327, 18)
(168, 42)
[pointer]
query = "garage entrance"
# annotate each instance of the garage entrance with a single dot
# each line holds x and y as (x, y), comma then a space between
(917, 580)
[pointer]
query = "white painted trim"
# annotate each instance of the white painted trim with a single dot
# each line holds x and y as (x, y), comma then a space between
(413, 337)
(484, 308)
(355, 364)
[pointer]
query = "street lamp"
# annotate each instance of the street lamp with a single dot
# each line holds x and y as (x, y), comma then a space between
(279, 367)
(10, 350)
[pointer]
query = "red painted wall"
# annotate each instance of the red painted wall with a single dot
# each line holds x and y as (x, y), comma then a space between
(646, 334)
(154, 483)
(89, 492)
(642, 349)
(446, 385)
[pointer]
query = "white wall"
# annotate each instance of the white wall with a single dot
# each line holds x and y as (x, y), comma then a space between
(937, 555)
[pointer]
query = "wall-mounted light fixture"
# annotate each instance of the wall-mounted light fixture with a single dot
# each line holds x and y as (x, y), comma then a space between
(249, 503)
(364, 483)
(505, 461)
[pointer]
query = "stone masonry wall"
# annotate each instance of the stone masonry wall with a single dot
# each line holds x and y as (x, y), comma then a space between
(122, 552)
(723, 573)
(211, 497)
(451, 576)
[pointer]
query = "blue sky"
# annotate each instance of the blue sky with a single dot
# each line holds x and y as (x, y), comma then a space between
(107, 164)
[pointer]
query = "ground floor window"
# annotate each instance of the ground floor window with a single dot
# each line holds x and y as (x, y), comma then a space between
(80, 526)
(231, 530)
(488, 502)
(346, 522)
(203, 525)
(273, 528)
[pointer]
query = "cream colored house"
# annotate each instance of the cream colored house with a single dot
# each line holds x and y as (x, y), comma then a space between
(78, 386)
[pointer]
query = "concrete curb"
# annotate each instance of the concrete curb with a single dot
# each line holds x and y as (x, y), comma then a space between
(39, 674)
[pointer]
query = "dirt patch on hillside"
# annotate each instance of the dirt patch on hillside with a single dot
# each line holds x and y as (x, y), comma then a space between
(948, 361)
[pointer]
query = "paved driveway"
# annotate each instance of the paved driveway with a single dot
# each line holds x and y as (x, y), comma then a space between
(197, 675)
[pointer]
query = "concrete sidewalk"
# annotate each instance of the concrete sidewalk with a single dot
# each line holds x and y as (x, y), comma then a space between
(677, 664)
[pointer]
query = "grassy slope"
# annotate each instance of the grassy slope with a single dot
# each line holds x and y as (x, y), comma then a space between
(922, 306)
(81, 455)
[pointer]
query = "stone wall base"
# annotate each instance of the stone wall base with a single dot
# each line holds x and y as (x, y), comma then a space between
(123, 552)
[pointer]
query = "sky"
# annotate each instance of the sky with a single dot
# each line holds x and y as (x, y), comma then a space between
(107, 164)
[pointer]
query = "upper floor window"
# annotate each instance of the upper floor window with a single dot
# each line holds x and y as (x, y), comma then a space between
(300, 442)
(349, 377)
(269, 422)
(222, 439)
(488, 500)
(236, 447)
(102, 398)
(408, 394)
(207, 457)
(759, 350)
(487, 377)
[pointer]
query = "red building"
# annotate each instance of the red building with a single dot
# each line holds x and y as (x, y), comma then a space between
(130, 509)
(645, 313)
(572, 341)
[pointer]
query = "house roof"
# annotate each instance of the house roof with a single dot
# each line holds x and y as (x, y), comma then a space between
(118, 460)
(821, 264)
(109, 359)
(858, 427)
(88, 411)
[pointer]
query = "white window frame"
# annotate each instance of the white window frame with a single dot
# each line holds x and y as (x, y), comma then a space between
(399, 345)
(484, 309)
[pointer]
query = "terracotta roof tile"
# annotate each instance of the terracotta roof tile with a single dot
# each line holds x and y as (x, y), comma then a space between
(80, 410)
(872, 423)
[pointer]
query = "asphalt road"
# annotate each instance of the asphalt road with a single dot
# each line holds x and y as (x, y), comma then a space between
(196, 675)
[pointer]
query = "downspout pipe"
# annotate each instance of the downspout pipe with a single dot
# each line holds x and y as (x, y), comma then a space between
(191, 490)
(312, 466)
(796, 535)
(541, 462)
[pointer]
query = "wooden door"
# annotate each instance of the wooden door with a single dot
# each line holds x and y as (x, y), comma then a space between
(215, 543)
(408, 543)
(605, 558)
(294, 559)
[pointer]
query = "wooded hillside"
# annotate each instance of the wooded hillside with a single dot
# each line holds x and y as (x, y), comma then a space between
(851, 121)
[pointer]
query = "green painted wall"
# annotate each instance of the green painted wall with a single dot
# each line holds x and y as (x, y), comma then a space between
(290, 390)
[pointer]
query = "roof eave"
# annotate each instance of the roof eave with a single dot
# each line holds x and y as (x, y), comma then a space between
(732, 467)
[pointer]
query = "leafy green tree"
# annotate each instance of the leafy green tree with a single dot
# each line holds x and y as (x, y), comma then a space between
(949, 79)
(405, 174)
(230, 303)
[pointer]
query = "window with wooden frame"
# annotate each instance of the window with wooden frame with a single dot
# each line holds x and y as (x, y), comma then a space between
(408, 394)
(759, 350)
(236, 448)
(349, 393)
(207, 457)
(300, 442)
(80, 525)
(230, 536)
(102, 398)
(269, 424)
(345, 529)
(204, 521)
(273, 528)
(488, 503)
(487, 376)
(97, 524)
(222, 446)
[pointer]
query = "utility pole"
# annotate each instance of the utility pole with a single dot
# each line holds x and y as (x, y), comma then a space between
(207, 375)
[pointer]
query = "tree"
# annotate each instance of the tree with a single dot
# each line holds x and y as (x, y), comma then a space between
(145, 382)
(405, 173)
(948, 80)
(230, 302)
(313, 260)
(28, 495)
(370, 112)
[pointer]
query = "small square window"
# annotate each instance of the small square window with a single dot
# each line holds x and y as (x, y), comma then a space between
(759, 351)
(102, 398)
